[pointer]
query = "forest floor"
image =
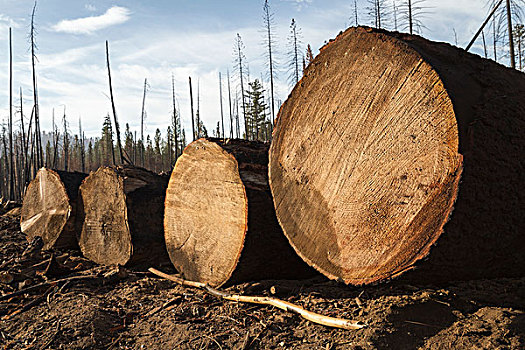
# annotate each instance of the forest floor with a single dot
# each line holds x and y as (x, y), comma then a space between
(118, 308)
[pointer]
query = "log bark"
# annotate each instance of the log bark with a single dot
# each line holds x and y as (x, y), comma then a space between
(50, 207)
(220, 225)
(367, 156)
(123, 210)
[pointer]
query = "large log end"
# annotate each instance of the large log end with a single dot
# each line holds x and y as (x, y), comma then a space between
(364, 164)
(48, 208)
(105, 237)
(206, 213)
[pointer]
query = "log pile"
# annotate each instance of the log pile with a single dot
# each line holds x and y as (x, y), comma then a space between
(123, 210)
(369, 150)
(220, 225)
(49, 208)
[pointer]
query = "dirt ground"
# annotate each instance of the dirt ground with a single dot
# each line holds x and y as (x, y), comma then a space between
(117, 308)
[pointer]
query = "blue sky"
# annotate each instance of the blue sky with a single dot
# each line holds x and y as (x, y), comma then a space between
(153, 39)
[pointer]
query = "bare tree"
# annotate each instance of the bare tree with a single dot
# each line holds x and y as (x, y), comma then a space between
(270, 41)
(412, 13)
(484, 43)
(509, 30)
(294, 42)
(394, 13)
(142, 117)
(38, 140)
(123, 159)
(65, 142)
(174, 120)
(11, 162)
(355, 16)
(502, 25)
(192, 116)
(519, 34)
(222, 113)
(377, 12)
(240, 66)
(230, 104)
(81, 136)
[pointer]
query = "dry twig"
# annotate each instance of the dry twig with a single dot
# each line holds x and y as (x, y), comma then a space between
(283, 305)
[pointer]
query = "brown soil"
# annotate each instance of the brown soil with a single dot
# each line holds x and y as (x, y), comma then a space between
(115, 310)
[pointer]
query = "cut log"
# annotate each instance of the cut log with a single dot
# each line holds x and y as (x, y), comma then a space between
(49, 208)
(369, 149)
(123, 210)
(220, 225)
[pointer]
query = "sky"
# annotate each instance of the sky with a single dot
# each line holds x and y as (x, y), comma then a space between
(155, 39)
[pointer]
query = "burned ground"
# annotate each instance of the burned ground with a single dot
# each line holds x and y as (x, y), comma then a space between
(120, 308)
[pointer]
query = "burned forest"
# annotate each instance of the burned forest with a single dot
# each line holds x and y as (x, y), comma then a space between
(347, 178)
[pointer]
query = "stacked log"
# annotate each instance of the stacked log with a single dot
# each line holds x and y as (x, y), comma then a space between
(123, 210)
(220, 225)
(368, 153)
(49, 208)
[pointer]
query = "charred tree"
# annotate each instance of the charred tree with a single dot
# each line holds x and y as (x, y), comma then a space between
(220, 225)
(49, 209)
(123, 209)
(367, 156)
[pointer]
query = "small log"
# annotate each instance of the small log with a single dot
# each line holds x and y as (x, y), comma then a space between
(368, 151)
(49, 208)
(123, 210)
(220, 225)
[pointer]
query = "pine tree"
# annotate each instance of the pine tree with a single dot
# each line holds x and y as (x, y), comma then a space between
(107, 149)
(309, 55)
(128, 141)
(257, 111)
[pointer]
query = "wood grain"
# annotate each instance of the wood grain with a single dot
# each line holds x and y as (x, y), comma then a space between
(49, 208)
(365, 161)
(220, 225)
(123, 211)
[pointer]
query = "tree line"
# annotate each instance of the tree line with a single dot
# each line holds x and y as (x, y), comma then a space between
(247, 104)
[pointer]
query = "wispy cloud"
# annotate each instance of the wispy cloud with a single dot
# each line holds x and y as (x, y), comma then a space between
(299, 4)
(90, 7)
(87, 25)
(6, 22)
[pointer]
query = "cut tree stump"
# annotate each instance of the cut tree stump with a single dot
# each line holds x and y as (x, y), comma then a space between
(368, 152)
(123, 210)
(220, 225)
(49, 208)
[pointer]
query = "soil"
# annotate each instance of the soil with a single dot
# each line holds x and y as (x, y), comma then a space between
(129, 308)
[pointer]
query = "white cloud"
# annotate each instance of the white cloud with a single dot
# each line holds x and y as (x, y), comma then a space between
(6, 22)
(90, 7)
(87, 25)
(299, 4)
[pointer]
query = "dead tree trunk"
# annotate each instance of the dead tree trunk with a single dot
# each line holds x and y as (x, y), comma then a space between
(50, 207)
(367, 155)
(220, 225)
(123, 210)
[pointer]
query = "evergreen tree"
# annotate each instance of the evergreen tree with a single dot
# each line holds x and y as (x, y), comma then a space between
(107, 148)
(256, 111)
(128, 142)
(158, 154)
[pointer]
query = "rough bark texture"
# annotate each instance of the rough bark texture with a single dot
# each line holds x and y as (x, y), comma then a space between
(50, 207)
(123, 211)
(220, 225)
(369, 149)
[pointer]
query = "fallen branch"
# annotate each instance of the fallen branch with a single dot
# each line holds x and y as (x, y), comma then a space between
(48, 283)
(283, 305)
